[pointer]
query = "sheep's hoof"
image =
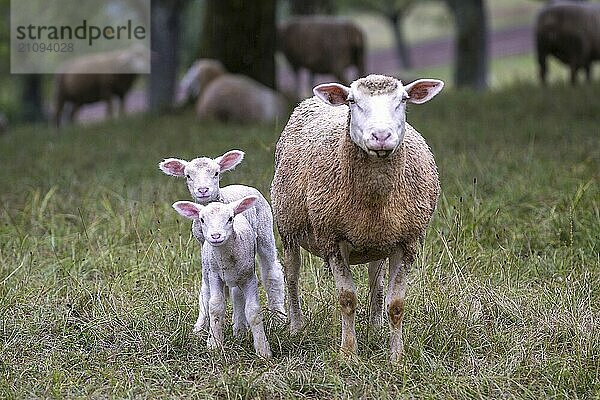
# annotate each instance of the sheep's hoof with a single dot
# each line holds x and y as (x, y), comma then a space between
(240, 330)
(265, 353)
(197, 330)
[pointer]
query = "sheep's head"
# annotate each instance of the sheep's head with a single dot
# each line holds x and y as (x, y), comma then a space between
(200, 74)
(378, 108)
(202, 174)
(216, 219)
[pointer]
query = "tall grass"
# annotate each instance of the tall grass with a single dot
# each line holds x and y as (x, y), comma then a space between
(98, 275)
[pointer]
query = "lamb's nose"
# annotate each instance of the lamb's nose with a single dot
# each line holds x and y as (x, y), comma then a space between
(381, 136)
(215, 236)
(203, 190)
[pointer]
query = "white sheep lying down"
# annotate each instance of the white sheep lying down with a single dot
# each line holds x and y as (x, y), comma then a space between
(202, 177)
(354, 183)
(228, 255)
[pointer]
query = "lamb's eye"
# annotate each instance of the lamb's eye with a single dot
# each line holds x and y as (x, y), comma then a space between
(217, 173)
(351, 101)
(202, 220)
(230, 219)
(188, 176)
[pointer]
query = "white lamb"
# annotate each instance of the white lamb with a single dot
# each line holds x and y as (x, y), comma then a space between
(202, 175)
(228, 257)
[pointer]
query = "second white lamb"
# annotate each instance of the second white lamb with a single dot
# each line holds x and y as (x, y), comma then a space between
(228, 256)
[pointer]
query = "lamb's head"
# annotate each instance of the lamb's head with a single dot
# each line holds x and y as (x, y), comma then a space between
(216, 219)
(202, 174)
(378, 108)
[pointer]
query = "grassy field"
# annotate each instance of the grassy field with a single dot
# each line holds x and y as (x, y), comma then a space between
(98, 275)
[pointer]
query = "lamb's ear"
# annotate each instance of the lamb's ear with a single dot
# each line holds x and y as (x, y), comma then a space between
(243, 204)
(230, 160)
(188, 209)
(173, 166)
(423, 90)
(332, 93)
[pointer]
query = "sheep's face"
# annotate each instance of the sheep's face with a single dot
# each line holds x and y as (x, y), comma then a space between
(203, 174)
(216, 219)
(200, 74)
(377, 106)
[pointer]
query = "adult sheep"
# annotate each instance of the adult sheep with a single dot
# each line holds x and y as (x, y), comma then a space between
(323, 45)
(231, 97)
(571, 33)
(354, 183)
(75, 85)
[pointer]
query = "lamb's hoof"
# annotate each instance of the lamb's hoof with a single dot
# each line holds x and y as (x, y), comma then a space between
(265, 353)
(240, 330)
(198, 329)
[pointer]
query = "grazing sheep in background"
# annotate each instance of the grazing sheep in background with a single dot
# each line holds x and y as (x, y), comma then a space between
(229, 97)
(322, 45)
(203, 175)
(571, 33)
(75, 86)
(354, 183)
(229, 258)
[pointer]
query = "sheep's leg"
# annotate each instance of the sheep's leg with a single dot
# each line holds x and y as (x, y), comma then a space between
(376, 275)
(395, 303)
(588, 71)
(216, 310)
(109, 107)
(59, 110)
(122, 105)
(203, 298)
(240, 324)
(574, 70)
(255, 319)
(271, 272)
(543, 66)
(74, 111)
(291, 260)
(347, 298)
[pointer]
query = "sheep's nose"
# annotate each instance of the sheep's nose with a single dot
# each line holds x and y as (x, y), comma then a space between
(203, 190)
(215, 236)
(381, 136)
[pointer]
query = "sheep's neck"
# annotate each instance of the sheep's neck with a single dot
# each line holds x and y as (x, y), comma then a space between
(372, 179)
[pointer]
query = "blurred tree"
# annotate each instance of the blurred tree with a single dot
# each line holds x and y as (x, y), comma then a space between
(395, 12)
(165, 16)
(471, 53)
(241, 34)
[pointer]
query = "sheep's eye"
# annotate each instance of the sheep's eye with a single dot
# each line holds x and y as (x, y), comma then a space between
(217, 173)
(230, 219)
(351, 101)
(202, 220)
(188, 176)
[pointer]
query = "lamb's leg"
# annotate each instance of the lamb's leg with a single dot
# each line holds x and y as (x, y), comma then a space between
(376, 275)
(240, 324)
(203, 297)
(347, 298)
(271, 271)
(574, 70)
(291, 260)
(254, 317)
(216, 310)
(588, 71)
(543, 66)
(395, 303)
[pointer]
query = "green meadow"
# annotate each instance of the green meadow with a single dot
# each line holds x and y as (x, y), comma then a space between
(99, 276)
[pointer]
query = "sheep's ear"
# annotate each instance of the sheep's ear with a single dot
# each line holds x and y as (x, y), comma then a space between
(423, 90)
(173, 166)
(243, 204)
(332, 93)
(188, 209)
(230, 160)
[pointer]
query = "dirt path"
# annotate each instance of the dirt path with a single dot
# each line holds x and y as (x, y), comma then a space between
(502, 43)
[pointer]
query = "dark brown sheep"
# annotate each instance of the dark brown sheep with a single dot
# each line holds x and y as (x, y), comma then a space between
(75, 86)
(569, 31)
(323, 45)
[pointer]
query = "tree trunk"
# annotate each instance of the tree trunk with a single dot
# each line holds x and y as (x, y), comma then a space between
(402, 48)
(165, 28)
(31, 98)
(471, 57)
(241, 34)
